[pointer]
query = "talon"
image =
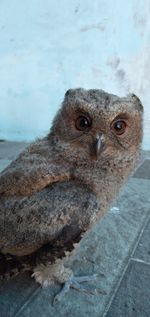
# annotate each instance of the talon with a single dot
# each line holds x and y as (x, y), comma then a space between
(60, 295)
(34, 274)
(45, 284)
(37, 273)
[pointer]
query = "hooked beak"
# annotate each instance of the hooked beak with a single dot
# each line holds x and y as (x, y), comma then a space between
(97, 145)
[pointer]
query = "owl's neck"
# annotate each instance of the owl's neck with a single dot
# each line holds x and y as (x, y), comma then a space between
(107, 177)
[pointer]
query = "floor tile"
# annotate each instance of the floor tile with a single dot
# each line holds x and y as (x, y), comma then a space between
(14, 293)
(133, 296)
(143, 171)
(4, 164)
(142, 251)
(10, 150)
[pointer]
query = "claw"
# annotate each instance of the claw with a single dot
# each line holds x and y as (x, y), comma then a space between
(61, 294)
(75, 283)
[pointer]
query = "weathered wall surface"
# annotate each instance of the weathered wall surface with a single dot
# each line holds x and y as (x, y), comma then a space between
(47, 47)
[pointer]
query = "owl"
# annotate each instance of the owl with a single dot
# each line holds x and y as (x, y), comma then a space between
(64, 183)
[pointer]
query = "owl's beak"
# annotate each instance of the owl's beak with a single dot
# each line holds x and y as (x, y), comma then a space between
(97, 145)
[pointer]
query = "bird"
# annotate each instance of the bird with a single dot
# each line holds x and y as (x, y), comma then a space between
(65, 182)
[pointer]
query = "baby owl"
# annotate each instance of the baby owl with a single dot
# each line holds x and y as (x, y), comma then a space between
(62, 184)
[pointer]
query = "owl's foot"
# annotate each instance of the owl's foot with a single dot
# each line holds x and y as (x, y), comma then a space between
(76, 283)
(47, 275)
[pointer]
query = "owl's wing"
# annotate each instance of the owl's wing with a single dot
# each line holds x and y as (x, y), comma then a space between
(48, 222)
(31, 172)
(45, 226)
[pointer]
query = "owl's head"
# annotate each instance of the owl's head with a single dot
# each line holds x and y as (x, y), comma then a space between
(93, 125)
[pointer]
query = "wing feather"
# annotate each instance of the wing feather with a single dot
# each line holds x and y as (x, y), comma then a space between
(32, 171)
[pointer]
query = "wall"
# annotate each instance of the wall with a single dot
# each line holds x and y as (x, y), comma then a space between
(47, 47)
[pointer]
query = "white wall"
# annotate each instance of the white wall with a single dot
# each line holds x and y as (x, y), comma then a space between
(49, 46)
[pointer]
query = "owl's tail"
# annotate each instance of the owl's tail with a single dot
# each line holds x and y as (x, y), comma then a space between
(11, 266)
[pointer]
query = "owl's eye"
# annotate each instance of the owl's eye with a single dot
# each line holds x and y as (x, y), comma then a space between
(119, 127)
(83, 123)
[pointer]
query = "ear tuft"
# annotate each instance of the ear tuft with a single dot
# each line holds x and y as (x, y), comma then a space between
(68, 92)
(137, 102)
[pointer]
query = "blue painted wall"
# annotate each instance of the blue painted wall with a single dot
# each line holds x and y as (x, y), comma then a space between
(47, 47)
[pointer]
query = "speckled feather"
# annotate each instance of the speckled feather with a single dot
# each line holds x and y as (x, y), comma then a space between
(58, 188)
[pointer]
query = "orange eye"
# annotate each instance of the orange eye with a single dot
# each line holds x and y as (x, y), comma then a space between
(83, 123)
(119, 127)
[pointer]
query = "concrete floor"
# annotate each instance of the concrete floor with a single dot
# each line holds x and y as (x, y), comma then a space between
(118, 246)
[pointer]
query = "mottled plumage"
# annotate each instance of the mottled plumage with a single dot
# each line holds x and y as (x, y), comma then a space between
(62, 184)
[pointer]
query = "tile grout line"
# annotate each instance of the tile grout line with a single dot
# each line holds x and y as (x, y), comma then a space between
(139, 261)
(140, 235)
(27, 301)
(126, 266)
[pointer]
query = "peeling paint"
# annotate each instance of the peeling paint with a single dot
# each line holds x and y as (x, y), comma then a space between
(120, 74)
(113, 62)
(97, 26)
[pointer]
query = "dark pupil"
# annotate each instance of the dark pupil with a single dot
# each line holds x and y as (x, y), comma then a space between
(83, 122)
(118, 125)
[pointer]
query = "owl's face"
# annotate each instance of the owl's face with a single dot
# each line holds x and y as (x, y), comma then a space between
(93, 125)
